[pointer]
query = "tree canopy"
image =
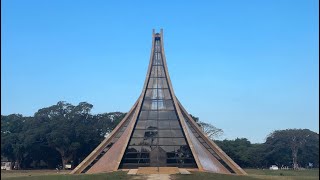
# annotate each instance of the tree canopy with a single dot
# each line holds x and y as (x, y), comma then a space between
(65, 133)
(293, 147)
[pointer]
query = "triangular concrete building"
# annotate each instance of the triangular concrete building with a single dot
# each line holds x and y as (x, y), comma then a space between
(157, 131)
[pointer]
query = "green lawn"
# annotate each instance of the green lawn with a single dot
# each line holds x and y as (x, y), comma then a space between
(207, 176)
(29, 175)
(300, 173)
(252, 174)
(255, 174)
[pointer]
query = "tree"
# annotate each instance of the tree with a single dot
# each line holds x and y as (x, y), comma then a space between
(196, 119)
(64, 131)
(73, 131)
(61, 122)
(237, 149)
(292, 141)
(68, 133)
(106, 122)
(13, 133)
(210, 130)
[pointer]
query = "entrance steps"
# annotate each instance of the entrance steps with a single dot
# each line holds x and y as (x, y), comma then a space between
(158, 170)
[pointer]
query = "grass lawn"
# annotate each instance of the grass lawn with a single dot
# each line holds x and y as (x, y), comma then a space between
(299, 173)
(53, 175)
(255, 174)
(252, 174)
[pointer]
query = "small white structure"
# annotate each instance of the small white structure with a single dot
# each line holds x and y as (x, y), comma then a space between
(274, 167)
(6, 165)
(67, 166)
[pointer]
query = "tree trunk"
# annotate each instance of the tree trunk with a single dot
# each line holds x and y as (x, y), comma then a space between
(295, 158)
(17, 164)
(64, 162)
(65, 159)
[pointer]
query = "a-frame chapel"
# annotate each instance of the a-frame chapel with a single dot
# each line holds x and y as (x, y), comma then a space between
(157, 131)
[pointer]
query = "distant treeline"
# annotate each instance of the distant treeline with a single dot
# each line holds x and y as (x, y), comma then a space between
(64, 133)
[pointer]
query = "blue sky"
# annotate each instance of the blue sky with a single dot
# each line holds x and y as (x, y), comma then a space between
(247, 67)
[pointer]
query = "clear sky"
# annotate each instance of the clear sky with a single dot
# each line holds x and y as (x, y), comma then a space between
(247, 67)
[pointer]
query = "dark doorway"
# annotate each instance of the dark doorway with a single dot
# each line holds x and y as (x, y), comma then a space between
(158, 157)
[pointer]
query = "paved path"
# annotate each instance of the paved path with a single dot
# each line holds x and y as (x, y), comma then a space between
(158, 177)
(154, 173)
(152, 177)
